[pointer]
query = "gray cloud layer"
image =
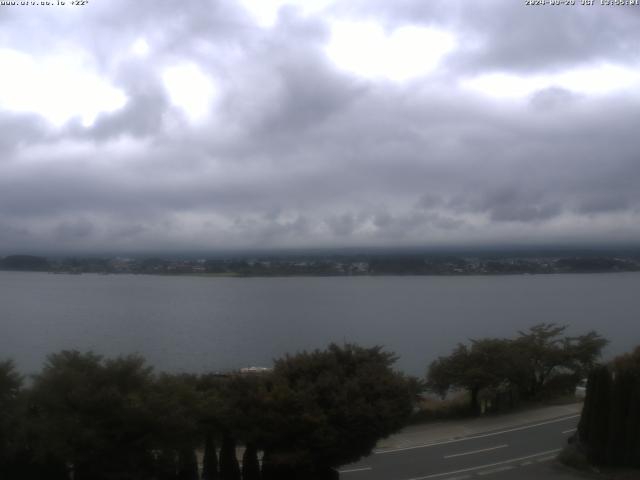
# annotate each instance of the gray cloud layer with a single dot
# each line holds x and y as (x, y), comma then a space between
(300, 153)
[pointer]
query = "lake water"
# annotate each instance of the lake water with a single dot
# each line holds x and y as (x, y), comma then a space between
(198, 323)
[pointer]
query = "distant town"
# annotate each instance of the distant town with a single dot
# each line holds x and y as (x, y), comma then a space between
(330, 265)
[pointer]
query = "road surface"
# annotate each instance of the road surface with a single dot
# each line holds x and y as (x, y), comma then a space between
(522, 452)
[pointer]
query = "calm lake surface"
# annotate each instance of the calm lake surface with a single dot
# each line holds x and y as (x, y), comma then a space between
(198, 323)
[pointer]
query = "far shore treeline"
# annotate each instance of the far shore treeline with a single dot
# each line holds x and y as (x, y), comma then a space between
(87, 417)
(327, 264)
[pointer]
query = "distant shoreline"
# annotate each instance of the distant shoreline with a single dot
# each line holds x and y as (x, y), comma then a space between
(329, 266)
(301, 275)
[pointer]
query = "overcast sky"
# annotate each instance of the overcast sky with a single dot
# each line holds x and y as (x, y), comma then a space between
(154, 124)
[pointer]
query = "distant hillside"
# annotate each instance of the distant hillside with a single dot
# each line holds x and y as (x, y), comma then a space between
(360, 264)
(29, 263)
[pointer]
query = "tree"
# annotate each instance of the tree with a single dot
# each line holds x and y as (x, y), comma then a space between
(583, 352)
(212, 413)
(229, 467)
(174, 403)
(326, 408)
(599, 392)
(232, 408)
(10, 418)
(187, 464)
(486, 364)
(609, 427)
(166, 465)
(91, 414)
(546, 354)
(537, 361)
(210, 458)
(250, 464)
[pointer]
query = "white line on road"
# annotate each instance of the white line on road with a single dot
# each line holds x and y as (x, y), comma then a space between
(353, 470)
(480, 467)
(569, 431)
(496, 470)
(475, 451)
(545, 459)
(474, 437)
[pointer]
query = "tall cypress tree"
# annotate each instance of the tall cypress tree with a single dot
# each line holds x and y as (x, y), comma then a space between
(210, 459)
(250, 464)
(229, 468)
(267, 470)
(600, 416)
(166, 466)
(586, 419)
(616, 445)
(627, 429)
(187, 465)
(609, 428)
(633, 425)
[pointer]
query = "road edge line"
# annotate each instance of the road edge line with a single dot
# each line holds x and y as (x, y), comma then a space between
(473, 437)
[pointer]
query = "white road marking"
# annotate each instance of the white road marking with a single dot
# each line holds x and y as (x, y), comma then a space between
(524, 464)
(480, 467)
(569, 431)
(475, 451)
(353, 470)
(496, 470)
(462, 477)
(484, 435)
(546, 459)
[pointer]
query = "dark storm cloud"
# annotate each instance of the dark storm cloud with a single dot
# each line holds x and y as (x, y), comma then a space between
(142, 116)
(298, 152)
(510, 205)
(604, 203)
(77, 229)
(19, 129)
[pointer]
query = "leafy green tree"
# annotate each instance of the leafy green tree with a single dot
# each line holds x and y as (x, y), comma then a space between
(174, 403)
(241, 407)
(546, 353)
(326, 408)
(91, 414)
(485, 364)
(538, 361)
(583, 352)
(543, 348)
(239, 403)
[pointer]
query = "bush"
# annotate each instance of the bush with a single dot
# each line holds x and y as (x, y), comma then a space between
(430, 408)
(560, 385)
(571, 456)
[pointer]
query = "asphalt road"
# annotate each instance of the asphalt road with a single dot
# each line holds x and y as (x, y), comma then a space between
(522, 452)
